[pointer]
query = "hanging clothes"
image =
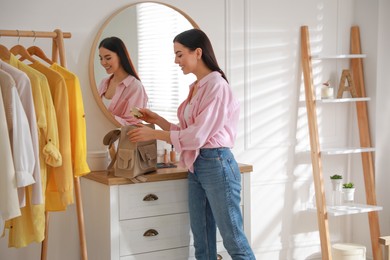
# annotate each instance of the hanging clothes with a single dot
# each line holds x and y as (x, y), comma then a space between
(9, 202)
(23, 233)
(19, 132)
(30, 226)
(23, 86)
(45, 113)
(59, 189)
(77, 121)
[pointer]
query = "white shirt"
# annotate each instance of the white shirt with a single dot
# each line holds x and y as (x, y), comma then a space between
(19, 133)
(23, 86)
(9, 203)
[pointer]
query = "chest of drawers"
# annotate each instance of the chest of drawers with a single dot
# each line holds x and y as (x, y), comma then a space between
(126, 221)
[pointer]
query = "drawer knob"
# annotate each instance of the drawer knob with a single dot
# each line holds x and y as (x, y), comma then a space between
(150, 197)
(150, 233)
(219, 257)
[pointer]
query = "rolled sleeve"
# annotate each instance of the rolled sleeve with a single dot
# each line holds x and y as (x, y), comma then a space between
(52, 155)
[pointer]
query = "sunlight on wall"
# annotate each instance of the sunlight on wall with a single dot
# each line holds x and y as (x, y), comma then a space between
(277, 134)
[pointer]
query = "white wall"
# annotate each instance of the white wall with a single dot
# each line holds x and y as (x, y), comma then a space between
(257, 43)
(383, 113)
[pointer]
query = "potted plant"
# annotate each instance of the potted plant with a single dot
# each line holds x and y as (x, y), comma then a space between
(336, 189)
(349, 192)
(336, 181)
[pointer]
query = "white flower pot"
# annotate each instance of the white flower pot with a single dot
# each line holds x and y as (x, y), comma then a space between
(349, 194)
(336, 192)
(337, 184)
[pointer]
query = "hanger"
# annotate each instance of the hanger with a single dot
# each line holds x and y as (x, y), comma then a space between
(35, 50)
(20, 50)
(5, 54)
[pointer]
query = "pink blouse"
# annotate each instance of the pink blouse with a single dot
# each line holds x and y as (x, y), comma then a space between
(212, 122)
(128, 94)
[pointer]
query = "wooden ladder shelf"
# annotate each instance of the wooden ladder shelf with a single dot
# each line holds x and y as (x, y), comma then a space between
(356, 66)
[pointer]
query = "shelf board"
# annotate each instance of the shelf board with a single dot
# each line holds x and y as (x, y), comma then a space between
(348, 150)
(341, 56)
(342, 100)
(348, 209)
(339, 150)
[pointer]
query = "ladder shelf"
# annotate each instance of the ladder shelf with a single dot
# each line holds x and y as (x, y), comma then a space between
(366, 150)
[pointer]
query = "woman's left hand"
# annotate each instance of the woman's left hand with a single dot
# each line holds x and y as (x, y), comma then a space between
(141, 133)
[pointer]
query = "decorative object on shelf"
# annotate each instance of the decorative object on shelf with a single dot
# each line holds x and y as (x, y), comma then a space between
(346, 76)
(336, 189)
(349, 192)
(327, 90)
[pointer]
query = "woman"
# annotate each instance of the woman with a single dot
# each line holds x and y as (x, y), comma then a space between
(207, 130)
(122, 90)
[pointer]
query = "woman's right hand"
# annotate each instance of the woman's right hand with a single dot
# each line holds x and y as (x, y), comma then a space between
(149, 116)
(154, 118)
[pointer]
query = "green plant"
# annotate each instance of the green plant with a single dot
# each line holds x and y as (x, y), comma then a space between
(336, 177)
(348, 185)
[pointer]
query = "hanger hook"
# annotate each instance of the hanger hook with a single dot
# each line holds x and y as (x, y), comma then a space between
(18, 36)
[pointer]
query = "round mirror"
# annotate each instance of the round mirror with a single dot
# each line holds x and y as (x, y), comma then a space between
(147, 29)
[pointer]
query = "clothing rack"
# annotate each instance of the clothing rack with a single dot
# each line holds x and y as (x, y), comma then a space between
(58, 50)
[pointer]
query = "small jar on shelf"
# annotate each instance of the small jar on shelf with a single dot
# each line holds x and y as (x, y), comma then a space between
(327, 91)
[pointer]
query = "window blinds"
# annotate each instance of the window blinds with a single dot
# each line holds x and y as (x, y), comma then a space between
(164, 81)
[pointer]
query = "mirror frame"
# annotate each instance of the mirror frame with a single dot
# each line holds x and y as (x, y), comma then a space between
(92, 79)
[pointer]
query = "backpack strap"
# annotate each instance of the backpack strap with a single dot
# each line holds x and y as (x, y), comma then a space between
(109, 139)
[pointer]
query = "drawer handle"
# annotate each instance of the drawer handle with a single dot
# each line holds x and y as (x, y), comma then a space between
(150, 197)
(150, 233)
(219, 257)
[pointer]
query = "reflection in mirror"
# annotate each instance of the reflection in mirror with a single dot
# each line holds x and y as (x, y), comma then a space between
(147, 30)
(122, 90)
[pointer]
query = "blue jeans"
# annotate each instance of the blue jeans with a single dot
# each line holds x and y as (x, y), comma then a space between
(214, 200)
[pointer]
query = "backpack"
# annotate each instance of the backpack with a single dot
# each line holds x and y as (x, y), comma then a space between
(131, 160)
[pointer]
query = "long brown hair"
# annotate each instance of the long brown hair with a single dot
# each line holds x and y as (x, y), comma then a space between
(195, 38)
(116, 45)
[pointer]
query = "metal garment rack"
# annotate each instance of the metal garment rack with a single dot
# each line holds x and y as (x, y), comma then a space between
(58, 50)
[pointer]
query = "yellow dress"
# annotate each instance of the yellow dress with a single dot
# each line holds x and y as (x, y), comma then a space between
(77, 121)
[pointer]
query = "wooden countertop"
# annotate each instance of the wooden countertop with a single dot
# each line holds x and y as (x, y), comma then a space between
(164, 174)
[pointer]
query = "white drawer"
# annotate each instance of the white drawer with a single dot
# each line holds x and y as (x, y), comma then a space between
(183, 253)
(153, 199)
(172, 231)
(171, 254)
